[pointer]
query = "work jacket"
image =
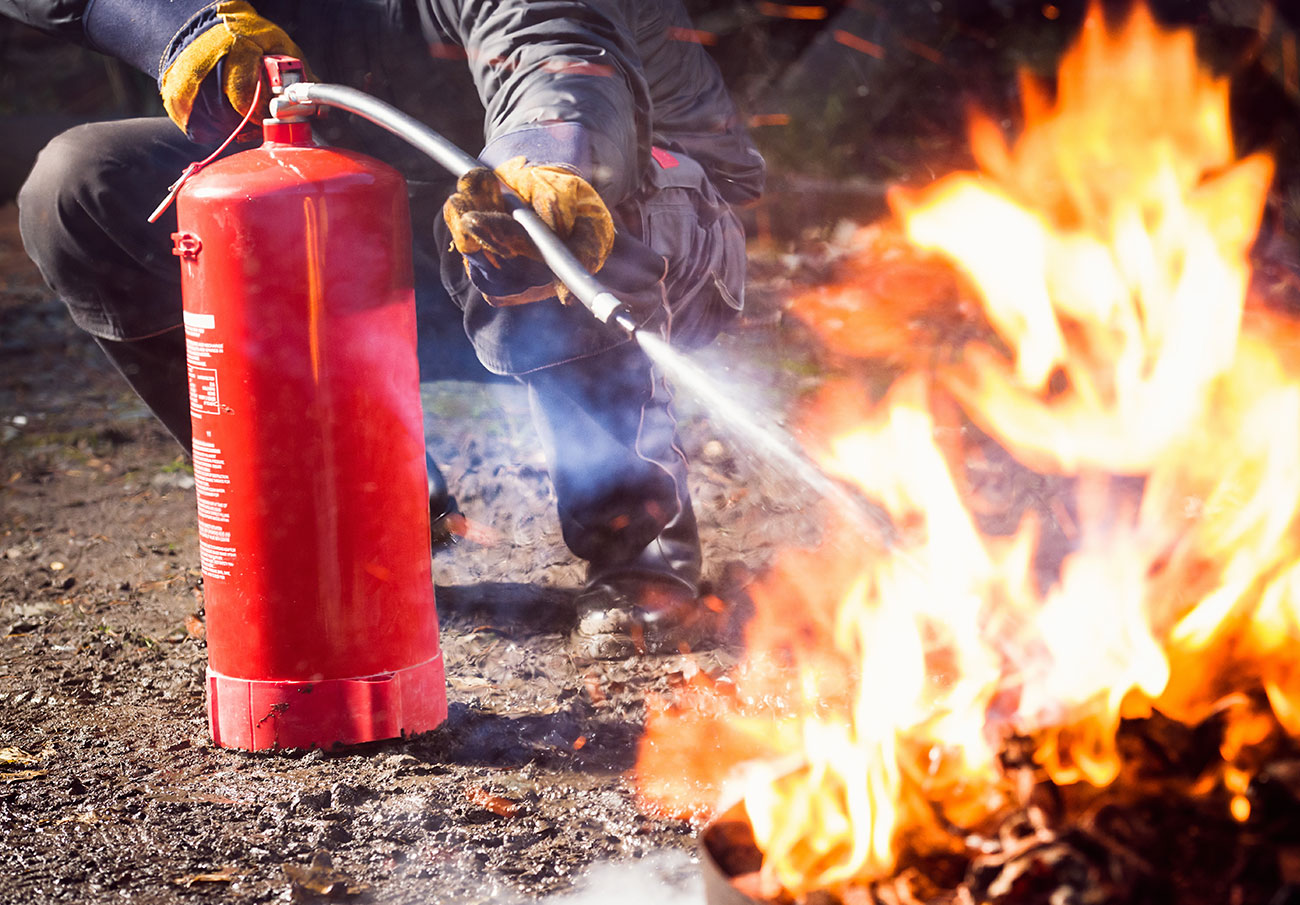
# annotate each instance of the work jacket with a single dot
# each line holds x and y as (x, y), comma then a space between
(593, 83)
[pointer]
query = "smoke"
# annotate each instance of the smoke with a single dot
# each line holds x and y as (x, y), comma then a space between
(660, 878)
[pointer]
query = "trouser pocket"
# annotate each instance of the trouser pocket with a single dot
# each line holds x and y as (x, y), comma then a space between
(683, 218)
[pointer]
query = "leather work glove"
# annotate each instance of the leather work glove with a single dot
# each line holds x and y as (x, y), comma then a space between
(501, 260)
(233, 46)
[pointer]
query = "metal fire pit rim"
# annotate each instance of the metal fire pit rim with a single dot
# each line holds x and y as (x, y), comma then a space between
(718, 888)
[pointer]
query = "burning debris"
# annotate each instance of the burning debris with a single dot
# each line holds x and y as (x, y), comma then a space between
(1076, 686)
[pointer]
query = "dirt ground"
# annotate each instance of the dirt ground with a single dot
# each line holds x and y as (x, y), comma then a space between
(110, 787)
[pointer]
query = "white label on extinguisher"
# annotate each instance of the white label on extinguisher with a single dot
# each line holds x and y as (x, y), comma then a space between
(195, 321)
(205, 392)
(216, 552)
(205, 399)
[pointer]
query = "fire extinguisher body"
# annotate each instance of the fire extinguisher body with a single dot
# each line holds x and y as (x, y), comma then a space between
(308, 447)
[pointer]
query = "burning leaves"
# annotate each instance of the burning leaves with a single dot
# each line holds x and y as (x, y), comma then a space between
(1094, 273)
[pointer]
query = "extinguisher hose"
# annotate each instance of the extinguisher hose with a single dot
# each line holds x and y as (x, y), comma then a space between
(563, 263)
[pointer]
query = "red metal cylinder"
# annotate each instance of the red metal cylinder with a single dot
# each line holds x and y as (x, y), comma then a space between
(308, 448)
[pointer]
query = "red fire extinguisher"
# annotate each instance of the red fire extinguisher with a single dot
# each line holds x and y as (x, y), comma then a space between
(308, 447)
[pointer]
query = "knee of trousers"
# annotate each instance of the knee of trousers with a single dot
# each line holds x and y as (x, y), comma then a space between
(56, 189)
(81, 224)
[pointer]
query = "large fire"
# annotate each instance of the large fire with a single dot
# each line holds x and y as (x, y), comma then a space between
(1115, 356)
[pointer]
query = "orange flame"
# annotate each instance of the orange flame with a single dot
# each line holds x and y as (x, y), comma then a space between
(1112, 352)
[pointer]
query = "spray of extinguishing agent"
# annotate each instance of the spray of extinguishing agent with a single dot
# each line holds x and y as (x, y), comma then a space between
(308, 431)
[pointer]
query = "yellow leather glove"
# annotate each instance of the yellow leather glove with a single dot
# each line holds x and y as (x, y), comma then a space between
(499, 256)
(241, 37)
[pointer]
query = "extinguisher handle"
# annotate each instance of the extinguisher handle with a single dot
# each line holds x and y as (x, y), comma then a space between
(563, 263)
(282, 71)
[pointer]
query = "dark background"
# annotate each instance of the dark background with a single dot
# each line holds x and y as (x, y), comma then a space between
(856, 96)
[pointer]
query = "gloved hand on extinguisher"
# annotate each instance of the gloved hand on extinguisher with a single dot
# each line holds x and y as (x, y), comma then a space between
(500, 259)
(220, 64)
(205, 54)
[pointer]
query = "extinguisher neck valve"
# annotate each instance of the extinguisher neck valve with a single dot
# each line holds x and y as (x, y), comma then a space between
(291, 131)
(282, 71)
(286, 110)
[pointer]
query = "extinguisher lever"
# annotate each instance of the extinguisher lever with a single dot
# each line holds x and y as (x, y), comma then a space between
(282, 71)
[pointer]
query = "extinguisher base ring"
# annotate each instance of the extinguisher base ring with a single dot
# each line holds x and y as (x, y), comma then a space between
(258, 714)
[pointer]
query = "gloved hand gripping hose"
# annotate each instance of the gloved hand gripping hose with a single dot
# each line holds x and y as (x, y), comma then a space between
(303, 97)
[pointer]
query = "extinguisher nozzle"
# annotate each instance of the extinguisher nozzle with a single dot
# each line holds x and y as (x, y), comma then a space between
(607, 307)
(622, 319)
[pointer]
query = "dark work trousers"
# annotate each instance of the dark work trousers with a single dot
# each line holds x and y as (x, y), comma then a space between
(602, 413)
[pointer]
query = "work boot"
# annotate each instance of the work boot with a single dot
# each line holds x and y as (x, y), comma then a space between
(625, 615)
(442, 506)
(648, 605)
(619, 473)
